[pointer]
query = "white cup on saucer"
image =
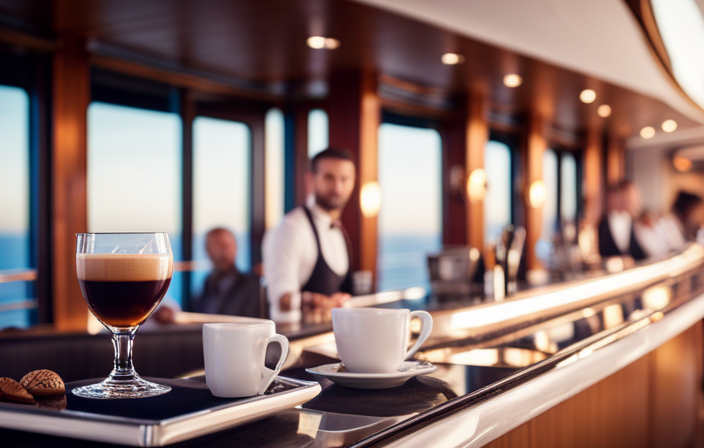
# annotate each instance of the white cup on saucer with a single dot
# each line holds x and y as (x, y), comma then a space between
(375, 340)
(235, 354)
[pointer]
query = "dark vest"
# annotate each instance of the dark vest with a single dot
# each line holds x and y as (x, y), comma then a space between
(608, 247)
(324, 280)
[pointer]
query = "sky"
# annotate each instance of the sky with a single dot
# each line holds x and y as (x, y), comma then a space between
(221, 175)
(410, 166)
(497, 201)
(14, 160)
(274, 165)
(134, 169)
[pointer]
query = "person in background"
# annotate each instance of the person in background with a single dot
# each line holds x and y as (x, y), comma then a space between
(227, 290)
(652, 235)
(306, 258)
(615, 231)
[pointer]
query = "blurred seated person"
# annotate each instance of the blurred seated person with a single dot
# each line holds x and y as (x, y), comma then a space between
(227, 290)
(685, 219)
(615, 231)
(651, 234)
(306, 258)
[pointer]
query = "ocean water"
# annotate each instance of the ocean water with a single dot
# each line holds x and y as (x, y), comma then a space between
(402, 261)
(14, 254)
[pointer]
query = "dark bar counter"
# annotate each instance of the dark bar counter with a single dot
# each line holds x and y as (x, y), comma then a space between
(502, 367)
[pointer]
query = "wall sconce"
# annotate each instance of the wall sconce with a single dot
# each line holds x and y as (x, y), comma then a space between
(682, 164)
(476, 185)
(370, 199)
(537, 194)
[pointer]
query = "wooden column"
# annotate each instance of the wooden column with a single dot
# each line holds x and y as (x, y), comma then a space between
(615, 159)
(535, 147)
(593, 181)
(477, 134)
(71, 95)
(354, 117)
(464, 142)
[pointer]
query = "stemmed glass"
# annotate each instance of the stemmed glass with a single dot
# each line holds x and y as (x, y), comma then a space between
(123, 277)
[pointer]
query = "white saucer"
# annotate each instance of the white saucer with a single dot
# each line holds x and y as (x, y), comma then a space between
(408, 370)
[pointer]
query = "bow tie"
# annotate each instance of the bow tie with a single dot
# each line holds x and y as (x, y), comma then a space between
(335, 225)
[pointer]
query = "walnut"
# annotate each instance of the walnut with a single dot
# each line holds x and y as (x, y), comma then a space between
(11, 390)
(43, 383)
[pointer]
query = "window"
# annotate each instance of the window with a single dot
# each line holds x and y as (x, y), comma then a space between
(275, 187)
(317, 131)
(221, 187)
(410, 218)
(568, 188)
(14, 205)
(550, 179)
(134, 174)
(497, 201)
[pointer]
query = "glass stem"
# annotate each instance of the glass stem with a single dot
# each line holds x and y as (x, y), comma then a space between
(123, 369)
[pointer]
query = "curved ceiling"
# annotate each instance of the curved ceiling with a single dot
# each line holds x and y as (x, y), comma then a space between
(600, 38)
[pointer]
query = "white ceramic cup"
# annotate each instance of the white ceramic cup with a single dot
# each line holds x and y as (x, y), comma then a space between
(234, 357)
(375, 340)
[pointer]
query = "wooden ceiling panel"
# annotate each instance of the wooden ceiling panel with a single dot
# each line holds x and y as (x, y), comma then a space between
(263, 43)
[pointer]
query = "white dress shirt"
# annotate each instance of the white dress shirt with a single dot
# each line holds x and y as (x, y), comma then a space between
(289, 252)
(620, 224)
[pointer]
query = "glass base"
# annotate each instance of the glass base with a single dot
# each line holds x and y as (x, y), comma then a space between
(111, 388)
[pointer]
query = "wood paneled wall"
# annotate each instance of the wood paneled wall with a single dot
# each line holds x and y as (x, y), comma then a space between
(464, 140)
(354, 116)
(535, 147)
(651, 403)
(71, 95)
(593, 177)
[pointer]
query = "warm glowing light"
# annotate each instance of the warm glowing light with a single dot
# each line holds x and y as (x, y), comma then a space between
(452, 59)
(587, 96)
(682, 163)
(669, 125)
(537, 194)
(588, 312)
(512, 80)
(657, 297)
(647, 132)
(613, 316)
(320, 42)
(476, 185)
(614, 264)
(604, 110)
(370, 199)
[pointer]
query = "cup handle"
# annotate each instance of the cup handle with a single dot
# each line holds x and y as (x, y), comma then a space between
(426, 325)
(268, 375)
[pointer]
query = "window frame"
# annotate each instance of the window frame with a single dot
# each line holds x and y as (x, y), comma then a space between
(132, 91)
(420, 122)
(31, 72)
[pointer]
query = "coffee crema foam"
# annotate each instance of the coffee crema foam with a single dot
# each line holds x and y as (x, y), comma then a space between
(124, 267)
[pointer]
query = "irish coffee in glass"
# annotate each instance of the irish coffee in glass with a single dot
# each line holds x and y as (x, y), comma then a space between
(123, 277)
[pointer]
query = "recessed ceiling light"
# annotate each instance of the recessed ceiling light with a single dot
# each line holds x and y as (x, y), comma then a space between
(452, 59)
(669, 125)
(587, 96)
(320, 42)
(647, 132)
(512, 80)
(604, 110)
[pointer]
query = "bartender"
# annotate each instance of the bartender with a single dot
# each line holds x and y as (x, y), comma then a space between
(306, 258)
